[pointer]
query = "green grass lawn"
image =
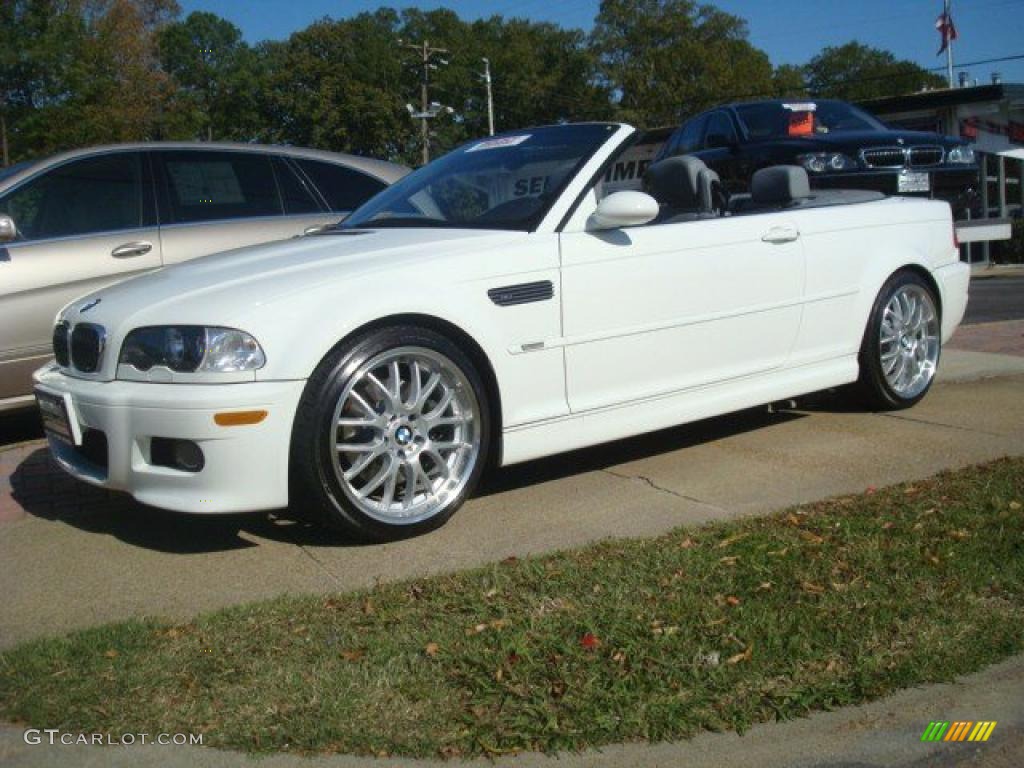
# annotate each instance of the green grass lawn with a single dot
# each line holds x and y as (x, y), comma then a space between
(701, 629)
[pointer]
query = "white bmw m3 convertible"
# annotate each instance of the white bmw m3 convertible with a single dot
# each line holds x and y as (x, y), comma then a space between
(493, 306)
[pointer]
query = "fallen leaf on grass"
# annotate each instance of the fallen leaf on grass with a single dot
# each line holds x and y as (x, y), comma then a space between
(811, 537)
(814, 589)
(590, 641)
(733, 600)
(111, 654)
(732, 560)
(1015, 505)
(731, 540)
(431, 649)
(745, 656)
(368, 606)
(687, 543)
(764, 586)
(354, 654)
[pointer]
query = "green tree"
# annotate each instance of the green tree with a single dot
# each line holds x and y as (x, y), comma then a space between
(75, 72)
(216, 77)
(855, 71)
(789, 81)
(667, 59)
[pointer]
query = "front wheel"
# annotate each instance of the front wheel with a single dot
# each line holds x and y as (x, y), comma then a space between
(391, 434)
(902, 343)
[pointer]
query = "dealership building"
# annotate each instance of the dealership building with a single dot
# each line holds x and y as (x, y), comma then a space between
(992, 117)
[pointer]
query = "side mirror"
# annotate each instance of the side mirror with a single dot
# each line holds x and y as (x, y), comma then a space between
(623, 209)
(8, 230)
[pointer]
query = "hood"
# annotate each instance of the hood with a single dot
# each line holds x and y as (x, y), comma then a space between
(218, 289)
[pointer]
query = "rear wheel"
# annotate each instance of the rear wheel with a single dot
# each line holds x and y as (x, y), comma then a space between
(902, 343)
(392, 434)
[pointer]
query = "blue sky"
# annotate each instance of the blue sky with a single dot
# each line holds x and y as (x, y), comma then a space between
(791, 31)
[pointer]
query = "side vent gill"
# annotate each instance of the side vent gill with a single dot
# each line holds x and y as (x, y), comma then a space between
(524, 293)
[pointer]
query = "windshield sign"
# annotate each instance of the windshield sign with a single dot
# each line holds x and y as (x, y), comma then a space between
(772, 120)
(505, 182)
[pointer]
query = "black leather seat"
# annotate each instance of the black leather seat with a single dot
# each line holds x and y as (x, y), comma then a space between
(685, 188)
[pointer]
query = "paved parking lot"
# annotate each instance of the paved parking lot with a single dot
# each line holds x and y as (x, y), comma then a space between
(75, 556)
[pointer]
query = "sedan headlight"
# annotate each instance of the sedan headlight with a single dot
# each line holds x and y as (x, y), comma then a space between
(192, 349)
(963, 154)
(821, 162)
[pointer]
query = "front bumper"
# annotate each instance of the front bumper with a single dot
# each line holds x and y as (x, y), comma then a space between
(956, 185)
(245, 469)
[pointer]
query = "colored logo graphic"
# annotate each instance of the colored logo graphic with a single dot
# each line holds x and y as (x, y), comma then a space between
(943, 730)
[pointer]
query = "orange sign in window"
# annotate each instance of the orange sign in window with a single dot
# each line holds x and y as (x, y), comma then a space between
(801, 123)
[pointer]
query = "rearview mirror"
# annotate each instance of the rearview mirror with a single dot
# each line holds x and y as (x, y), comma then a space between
(8, 231)
(623, 209)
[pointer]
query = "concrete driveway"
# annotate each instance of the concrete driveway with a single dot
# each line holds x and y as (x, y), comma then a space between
(74, 556)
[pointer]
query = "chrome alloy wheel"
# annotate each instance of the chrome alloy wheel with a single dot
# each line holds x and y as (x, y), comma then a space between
(909, 341)
(406, 435)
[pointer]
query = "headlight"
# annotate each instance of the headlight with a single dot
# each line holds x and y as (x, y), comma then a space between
(820, 162)
(192, 349)
(962, 154)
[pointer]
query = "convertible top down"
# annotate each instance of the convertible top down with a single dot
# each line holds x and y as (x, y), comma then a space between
(494, 305)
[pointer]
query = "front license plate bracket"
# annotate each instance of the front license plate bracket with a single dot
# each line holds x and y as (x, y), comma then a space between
(59, 418)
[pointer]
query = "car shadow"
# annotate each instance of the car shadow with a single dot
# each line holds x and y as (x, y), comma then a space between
(46, 492)
(20, 426)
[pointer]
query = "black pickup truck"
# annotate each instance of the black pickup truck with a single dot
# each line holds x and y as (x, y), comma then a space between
(841, 146)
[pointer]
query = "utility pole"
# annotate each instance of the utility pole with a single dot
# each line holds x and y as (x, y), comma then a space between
(490, 97)
(427, 110)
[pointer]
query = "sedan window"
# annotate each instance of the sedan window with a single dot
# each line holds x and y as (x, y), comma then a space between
(343, 188)
(207, 186)
(720, 131)
(96, 194)
(296, 192)
(778, 120)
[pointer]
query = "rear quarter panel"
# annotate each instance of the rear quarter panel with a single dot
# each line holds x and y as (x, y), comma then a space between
(851, 250)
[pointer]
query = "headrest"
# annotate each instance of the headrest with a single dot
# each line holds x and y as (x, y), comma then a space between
(675, 181)
(779, 185)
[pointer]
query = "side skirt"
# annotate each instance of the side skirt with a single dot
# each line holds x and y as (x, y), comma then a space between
(533, 441)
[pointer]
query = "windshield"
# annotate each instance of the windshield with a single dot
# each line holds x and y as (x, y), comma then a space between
(803, 119)
(504, 182)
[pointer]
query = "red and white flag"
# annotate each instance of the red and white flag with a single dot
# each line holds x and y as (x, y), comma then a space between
(944, 24)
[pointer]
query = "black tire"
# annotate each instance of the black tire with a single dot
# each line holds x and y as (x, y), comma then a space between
(872, 387)
(315, 487)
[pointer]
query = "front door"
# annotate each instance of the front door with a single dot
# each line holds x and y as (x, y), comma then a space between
(663, 308)
(82, 225)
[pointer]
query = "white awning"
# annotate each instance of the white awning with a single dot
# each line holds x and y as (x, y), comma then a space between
(1017, 154)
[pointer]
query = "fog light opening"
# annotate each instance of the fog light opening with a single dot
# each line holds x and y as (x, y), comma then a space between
(182, 455)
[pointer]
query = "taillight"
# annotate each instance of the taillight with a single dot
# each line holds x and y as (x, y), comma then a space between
(956, 240)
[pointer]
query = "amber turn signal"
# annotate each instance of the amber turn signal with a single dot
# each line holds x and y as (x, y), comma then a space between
(239, 418)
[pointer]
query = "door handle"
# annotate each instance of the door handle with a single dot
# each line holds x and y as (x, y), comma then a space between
(781, 235)
(128, 250)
